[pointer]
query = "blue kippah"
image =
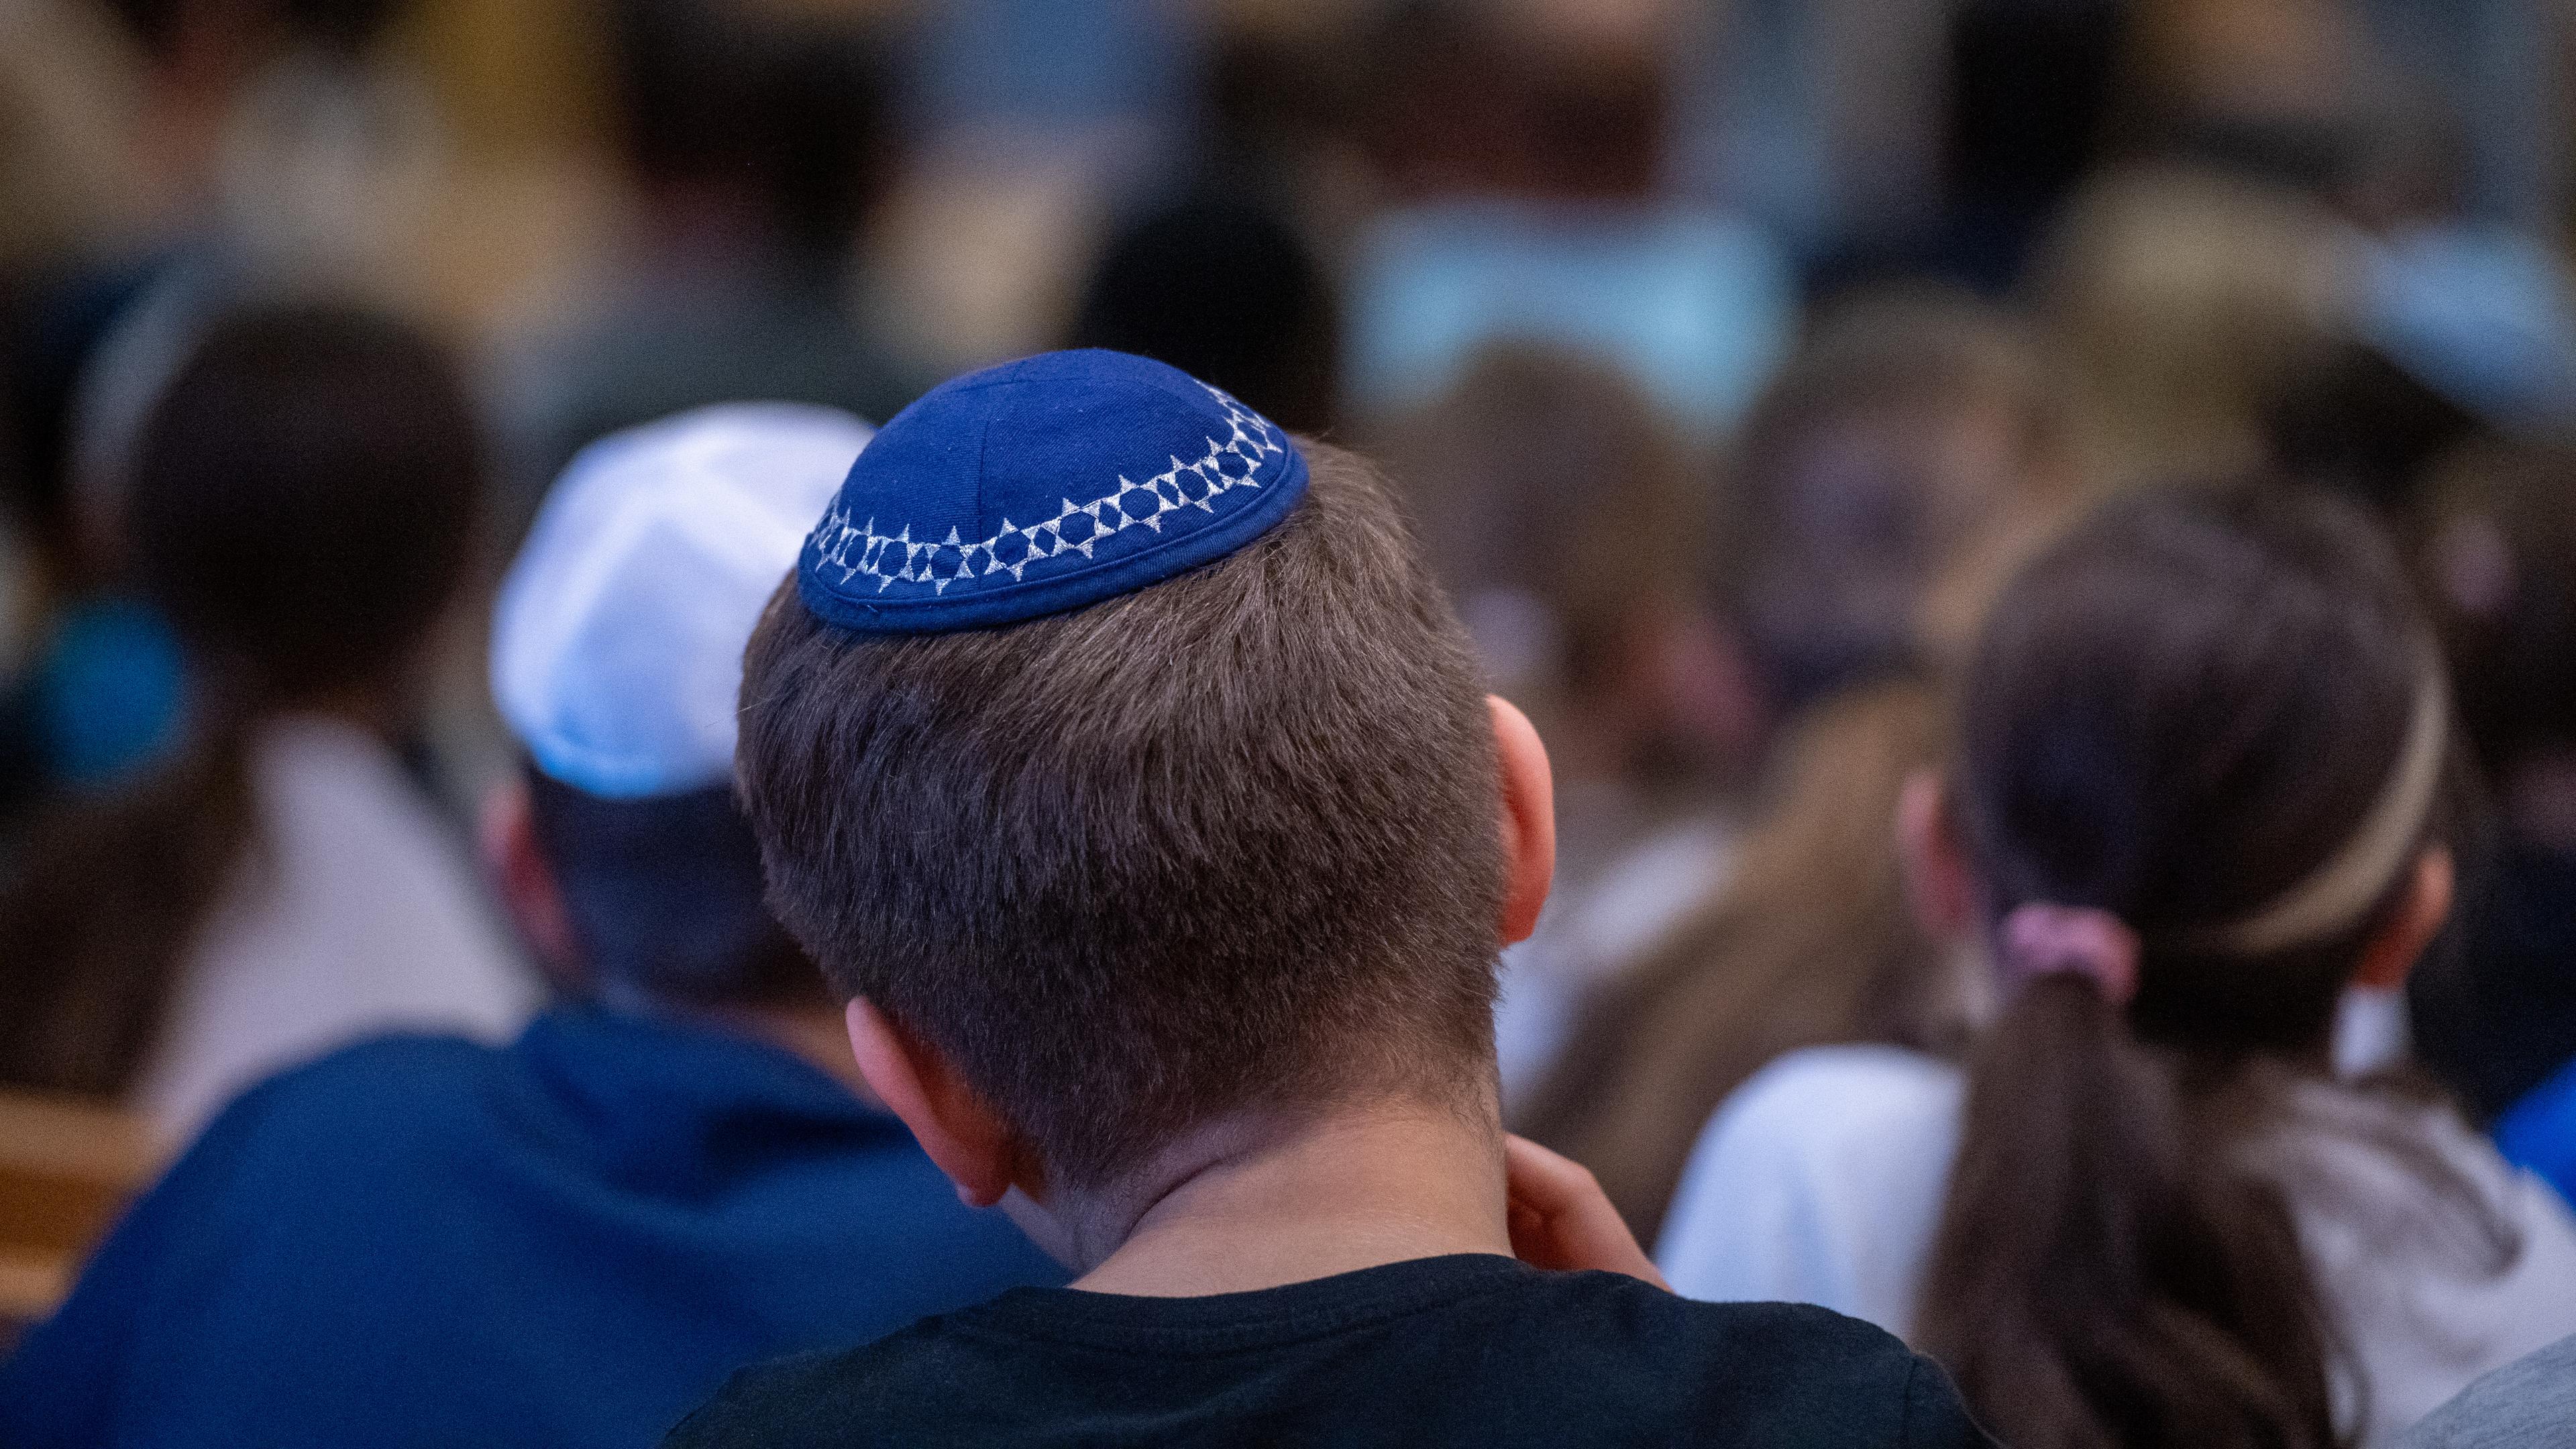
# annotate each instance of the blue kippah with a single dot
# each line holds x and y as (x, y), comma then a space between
(1039, 486)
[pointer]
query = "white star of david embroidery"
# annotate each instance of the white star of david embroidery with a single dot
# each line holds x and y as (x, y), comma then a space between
(857, 551)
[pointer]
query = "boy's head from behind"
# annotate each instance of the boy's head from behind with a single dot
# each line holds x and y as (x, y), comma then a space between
(1201, 819)
(616, 659)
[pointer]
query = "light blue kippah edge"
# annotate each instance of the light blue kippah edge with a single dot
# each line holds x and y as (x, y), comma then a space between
(610, 777)
(1063, 593)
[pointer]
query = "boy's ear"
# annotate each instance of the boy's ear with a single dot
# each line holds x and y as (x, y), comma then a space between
(1529, 819)
(1938, 881)
(525, 881)
(2393, 952)
(968, 1140)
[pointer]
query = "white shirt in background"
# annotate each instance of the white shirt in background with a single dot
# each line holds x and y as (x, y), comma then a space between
(1594, 930)
(356, 913)
(1822, 1180)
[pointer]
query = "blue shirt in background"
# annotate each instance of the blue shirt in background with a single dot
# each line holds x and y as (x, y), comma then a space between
(570, 1241)
(2540, 1132)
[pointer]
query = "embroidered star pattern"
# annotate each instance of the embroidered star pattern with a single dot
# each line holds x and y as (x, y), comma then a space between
(859, 551)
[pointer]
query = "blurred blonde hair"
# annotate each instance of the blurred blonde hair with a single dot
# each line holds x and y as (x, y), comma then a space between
(2185, 299)
(1810, 942)
(1811, 939)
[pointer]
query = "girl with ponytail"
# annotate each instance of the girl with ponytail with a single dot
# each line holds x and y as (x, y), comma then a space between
(2199, 795)
(301, 506)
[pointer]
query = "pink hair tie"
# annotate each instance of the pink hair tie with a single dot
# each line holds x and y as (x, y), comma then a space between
(2043, 940)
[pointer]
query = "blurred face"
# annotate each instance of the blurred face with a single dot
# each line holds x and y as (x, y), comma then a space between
(1874, 511)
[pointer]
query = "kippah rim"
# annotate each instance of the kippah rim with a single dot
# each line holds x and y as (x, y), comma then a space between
(611, 775)
(1067, 591)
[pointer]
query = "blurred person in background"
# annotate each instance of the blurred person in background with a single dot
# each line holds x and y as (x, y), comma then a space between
(2496, 1020)
(756, 145)
(571, 1239)
(2264, 89)
(1894, 472)
(2288, 251)
(1915, 429)
(1047, 135)
(1801, 937)
(1566, 516)
(90, 685)
(1224, 288)
(2187, 300)
(2450, 324)
(1516, 150)
(257, 145)
(302, 509)
(2355, 420)
(2450, 333)
(1281, 97)
(2026, 106)
(2199, 788)
(67, 162)
(287, 151)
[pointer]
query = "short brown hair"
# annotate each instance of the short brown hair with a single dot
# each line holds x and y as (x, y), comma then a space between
(1229, 841)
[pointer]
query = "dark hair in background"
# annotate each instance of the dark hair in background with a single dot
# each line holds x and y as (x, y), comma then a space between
(346, 26)
(1454, 98)
(665, 896)
(2029, 100)
(1226, 291)
(2028, 108)
(2352, 420)
(2176, 714)
(793, 114)
(46, 340)
(2495, 543)
(2495, 536)
(302, 506)
(1228, 842)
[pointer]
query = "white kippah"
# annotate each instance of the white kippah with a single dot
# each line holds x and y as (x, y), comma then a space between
(617, 640)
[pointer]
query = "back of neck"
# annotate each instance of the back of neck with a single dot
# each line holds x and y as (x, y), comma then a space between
(1257, 1202)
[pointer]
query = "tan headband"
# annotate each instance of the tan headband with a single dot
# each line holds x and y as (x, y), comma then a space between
(2335, 896)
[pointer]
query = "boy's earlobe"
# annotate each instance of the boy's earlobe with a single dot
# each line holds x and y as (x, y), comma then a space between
(525, 881)
(967, 1140)
(1528, 819)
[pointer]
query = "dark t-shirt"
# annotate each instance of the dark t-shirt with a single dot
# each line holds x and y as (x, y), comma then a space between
(1471, 1350)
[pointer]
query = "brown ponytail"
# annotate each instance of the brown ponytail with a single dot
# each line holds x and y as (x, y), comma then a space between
(302, 505)
(2179, 714)
(2103, 1276)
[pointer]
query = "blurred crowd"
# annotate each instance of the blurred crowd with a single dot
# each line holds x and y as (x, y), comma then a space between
(1729, 359)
